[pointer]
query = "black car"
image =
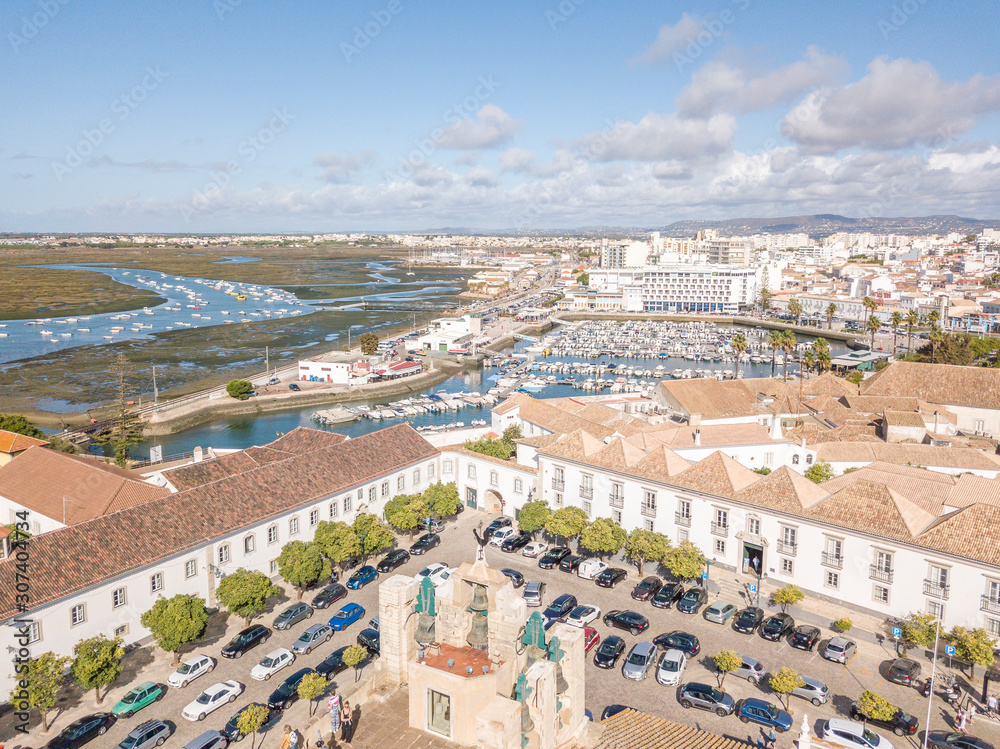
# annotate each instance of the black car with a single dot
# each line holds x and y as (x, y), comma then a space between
(502, 522)
(329, 595)
(692, 600)
(245, 640)
(560, 607)
(611, 577)
(612, 710)
(392, 560)
(949, 740)
(288, 691)
(776, 626)
(424, 543)
(552, 557)
(677, 640)
(516, 542)
(804, 637)
(609, 652)
(748, 620)
(232, 731)
(901, 724)
(79, 732)
(668, 595)
(630, 620)
(515, 577)
(903, 671)
(369, 640)
(571, 563)
(333, 664)
(647, 588)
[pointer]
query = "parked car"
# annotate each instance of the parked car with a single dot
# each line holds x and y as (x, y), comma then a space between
(839, 649)
(392, 560)
(804, 637)
(670, 669)
(329, 595)
(754, 710)
(208, 740)
(628, 620)
(583, 615)
(719, 612)
(426, 542)
(590, 638)
(189, 670)
(438, 573)
(610, 651)
(686, 643)
(668, 595)
(610, 577)
(146, 735)
(293, 386)
(362, 577)
(311, 638)
(560, 607)
(333, 664)
(245, 640)
(515, 543)
(533, 593)
(500, 522)
(571, 563)
(776, 626)
(82, 730)
(292, 615)
(901, 723)
(502, 534)
(348, 614)
(137, 698)
(903, 671)
(515, 577)
(814, 690)
(588, 569)
(534, 549)
(948, 740)
(748, 620)
(212, 699)
(692, 600)
(553, 557)
(370, 640)
(647, 588)
(639, 660)
(852, 735)
(271, 663)
(706, 697)
(612, 710)
(373, 623)
(232, 728)
(431, 525)
(288, 691)
(750, 669)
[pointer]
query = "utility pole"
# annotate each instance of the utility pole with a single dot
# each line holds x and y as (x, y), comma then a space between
(156, 393)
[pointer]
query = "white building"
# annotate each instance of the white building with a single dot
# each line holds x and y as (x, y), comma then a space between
(621, 255)
(698, 288)
(320, 370)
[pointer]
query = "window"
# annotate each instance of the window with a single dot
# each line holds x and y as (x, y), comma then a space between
(385, 488)
(439, 712)
(720, 546)
(273, 566)
(293, 526)
(121, 631)
(935, 608)
(649, 501)
(156, 582)
(448, 467)
(992, 595)
(430, 471)
(831, 579)
(558, 499)
(416, 476)
(648, 524)
(993, 627)
(78, 614)
(938, 576)
(617, 496)
(616, 515)
(809, 460)
(272, 534)
(361, 498)
(472, 471)
(795, 460)
(400, 484)
(224, 554)
(518, 486)
(333, 509)
(787, 567)
(372, 495)
(347, 503)
(587, 508)
(753, 525)
(118, 598)
(313, 517)
(190, 568)
(587, 486)
(833, 552)
(248, 544)
(768, 459)
(494, 478)
(34, 632)
(880, 594)
(683, 514)
(682, 536)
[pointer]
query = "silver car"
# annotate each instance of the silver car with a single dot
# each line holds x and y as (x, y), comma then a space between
(839, 649)
(208, 740)
(312, 637)
(639, 659)
(146, 735)
(813, 690)
(533, 593)
(751, 669)
(671, 667)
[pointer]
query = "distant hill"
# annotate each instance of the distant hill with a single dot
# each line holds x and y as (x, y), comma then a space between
(824, 224)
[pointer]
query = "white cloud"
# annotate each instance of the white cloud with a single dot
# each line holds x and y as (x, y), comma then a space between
(490, 126)
(659, 137)
(516, 160)
(897, 104)
(671, 39)
(338, 167)
(481, 176)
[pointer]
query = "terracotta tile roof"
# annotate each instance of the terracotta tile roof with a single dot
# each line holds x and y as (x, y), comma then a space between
(974, 387)
(972, 532)
(717, 474)
(553, 418)
(631, 729)
(970, 489)
(12, 442)
(63, 560)
(488, 458)
(679, 437)
(206, 471)
(661, 464)
(929, 489)
(304, 440)
(619, 455)
(828, 384)
(541, 440)
(906, 454)
(709, 397)
(873, 509)
(784, 490)
(575, 446)
(461, 658)
(877, 404)
(53, 483)
(905, 419)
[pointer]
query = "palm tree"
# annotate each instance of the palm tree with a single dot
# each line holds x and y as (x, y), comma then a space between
(896, 318)
(740, 346)
(912, 318)
(820, 344)
(808, 361)
(873, 325)
(787, 345)
(936, 336)
(831, 311)
(870, 306)
(774, 341)
(795, 308)
(823, 360)
(933, 317)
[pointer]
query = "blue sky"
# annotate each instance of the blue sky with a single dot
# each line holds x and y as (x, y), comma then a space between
(255, 115)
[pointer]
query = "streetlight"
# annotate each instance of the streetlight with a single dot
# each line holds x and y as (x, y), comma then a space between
(704, 575)
(756, 566)
(930, 696)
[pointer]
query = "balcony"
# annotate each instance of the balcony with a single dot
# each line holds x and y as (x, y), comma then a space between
(648, 511)
(882, 575)
(616, 500)
(989, 603)
(682, 519)
(559, 485)
(937, 590)
(587, 492)
(784, 547)
(832, 560)
(720, 529)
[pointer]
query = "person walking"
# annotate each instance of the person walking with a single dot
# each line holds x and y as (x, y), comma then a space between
(286, 740)
(334, 707)
(963, 721)
(992, 704)
(772, 739)
(346, 722)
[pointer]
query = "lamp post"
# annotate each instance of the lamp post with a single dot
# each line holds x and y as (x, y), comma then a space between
(930, 697)
(756, 566)
(708, 567)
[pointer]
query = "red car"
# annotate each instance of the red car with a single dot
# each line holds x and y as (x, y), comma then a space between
(590, 638)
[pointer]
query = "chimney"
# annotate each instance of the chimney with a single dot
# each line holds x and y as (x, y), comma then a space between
(935, 422)
(802, 444)
(198, 457)
(697, 437)
(776, 427)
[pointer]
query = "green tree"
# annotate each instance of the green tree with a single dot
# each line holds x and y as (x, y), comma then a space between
(301, 563)
(936, 337)
(787, 345)
(819, 472)
(808, 361)
(824, 361)
(896, 320)
(684, 561)
(337, 541)
(245, 592)
(740, 346)
(124, 428)
(874, 706)
(784, 681)
(583, 279)
(789, 595)
(843, 625)
(494, 448)
(974, 646)
(20, 425)
(239, 389)
(874, 324)
(369, 343)
(311, 688)
(353, 657)
(45, 677)
(405, 512)
(912, 318)
(374, 536)
(855, 377)
(831, 312)
(795, 309)
(726, 661)
(251, 719)
(870, 306)
(764, 298)
(442, 499)
(533, 516)
(919, 629)
(97, 663)
(567, 522)
(645, 546)
(176, 621)
(775, 340)
(602, 537)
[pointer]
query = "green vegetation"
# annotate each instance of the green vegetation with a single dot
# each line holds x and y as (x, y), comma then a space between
(176, 621)
(645, 546)
(20, 425)
(843, 625)
(819, 472)
(533, 516)
(125, 428)
(502, 448)
(567, 523)
(97, 663)
(252, 719)
(405, 512)
(795, 309)
(875, 707)
(239, 389)
(788, 595)
(373, 535)
(684, 561)
(45, 677)
(244, 593)
(301, 564)
(763, 470)
(311, 688)
(974, 646)
(26, 293)
(337, 541)
(353, 657)
(784, 681)
(369, 343)
(442, 500)
(602, 537)
(726, 661)
(919, 629)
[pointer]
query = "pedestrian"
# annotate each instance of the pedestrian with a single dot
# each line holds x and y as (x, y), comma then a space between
(293, 739)
(992, 704)
(760, 741)
(772, 739)
(286, 740)
(963, 721)
(334, 707)
(346, 722)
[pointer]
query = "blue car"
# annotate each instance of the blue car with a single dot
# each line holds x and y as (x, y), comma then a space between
(362, 577)
(346, 616)
(763, 712)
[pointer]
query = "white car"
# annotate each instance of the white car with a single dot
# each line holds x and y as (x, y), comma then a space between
(591, 568)
(271, 663)
(670, 669)
(851, 734)
(502, 534)
(212, 699)
(581, 616)
(534, 549)
(437, 572)
(189, 670)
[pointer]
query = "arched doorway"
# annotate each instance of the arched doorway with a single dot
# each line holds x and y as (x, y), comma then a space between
(492, 501)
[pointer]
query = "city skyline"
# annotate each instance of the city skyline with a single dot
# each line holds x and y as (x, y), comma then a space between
(393, 116)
